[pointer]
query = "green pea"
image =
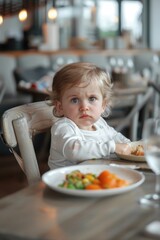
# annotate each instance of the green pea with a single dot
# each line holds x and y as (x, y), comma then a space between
(79, 185)
(71, 186)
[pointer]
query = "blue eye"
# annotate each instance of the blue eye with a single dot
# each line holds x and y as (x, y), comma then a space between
(75, 100)
(92, 99)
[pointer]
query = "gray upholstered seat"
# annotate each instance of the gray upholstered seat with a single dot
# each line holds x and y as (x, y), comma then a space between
(59, 60)
(96, 58)
(28, 61)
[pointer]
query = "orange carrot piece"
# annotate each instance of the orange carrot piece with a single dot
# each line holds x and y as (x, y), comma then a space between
(96, 181)
(93, 187)
(104, 177)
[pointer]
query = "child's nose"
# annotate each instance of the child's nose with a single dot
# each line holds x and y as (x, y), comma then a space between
(83, 107)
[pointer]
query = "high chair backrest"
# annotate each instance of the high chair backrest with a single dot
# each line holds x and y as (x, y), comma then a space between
(19, 125)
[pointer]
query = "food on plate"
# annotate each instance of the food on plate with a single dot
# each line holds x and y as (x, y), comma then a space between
(138, 150)
(90, 181)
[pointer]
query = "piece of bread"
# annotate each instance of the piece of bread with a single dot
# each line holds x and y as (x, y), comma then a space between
(138, 150)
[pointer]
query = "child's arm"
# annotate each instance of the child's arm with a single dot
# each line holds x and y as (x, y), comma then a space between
(71, 145)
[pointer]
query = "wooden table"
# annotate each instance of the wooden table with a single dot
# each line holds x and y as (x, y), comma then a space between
(37, 212)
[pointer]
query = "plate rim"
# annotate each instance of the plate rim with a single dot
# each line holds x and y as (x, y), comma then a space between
(94, 193)
(131, 157)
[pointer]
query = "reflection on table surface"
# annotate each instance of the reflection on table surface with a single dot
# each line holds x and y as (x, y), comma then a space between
(38, 212)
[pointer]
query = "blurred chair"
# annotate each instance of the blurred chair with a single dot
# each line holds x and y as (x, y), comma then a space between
(148, 65)
(143, 60)
(121, 61)
(7, 65)
(145, 63)
(96, 58)
(155, 103)
(59, 60)
(29, 61)
(19, 127)
(32, 68)
(2, 90)
(11, 97)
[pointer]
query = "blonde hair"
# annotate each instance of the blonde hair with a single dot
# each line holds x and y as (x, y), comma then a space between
(82, 72)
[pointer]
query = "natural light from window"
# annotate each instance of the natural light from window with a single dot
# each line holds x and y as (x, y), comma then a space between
(132, 17)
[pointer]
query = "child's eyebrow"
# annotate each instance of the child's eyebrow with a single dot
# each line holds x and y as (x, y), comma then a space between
(93, 94)
(71, 96)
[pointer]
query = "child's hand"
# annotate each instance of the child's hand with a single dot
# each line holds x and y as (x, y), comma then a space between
(123, 148)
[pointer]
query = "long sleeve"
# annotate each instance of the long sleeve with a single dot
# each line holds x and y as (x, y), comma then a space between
(68, 142)
(75, 147)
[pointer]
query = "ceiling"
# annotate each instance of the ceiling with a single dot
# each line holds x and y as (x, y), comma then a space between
(11, 7)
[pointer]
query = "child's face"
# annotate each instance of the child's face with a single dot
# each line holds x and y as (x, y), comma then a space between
(83, 105)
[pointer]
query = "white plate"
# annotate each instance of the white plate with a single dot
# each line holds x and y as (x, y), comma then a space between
(132, 157)
(55, 177)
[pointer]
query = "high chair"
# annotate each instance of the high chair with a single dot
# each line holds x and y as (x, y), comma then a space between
(19, 125)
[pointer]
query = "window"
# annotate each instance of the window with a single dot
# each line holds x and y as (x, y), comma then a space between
(107, 19)
(98, 19)
(131, 20)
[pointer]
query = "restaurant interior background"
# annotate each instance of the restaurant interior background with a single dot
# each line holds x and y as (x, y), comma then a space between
(92, 22)
(80, 26)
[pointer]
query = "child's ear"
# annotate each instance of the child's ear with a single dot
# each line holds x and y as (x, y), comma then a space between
(59, 108)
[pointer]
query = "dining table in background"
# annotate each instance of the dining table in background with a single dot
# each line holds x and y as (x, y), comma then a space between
(135, 98)
(40, 213)
(37, 94)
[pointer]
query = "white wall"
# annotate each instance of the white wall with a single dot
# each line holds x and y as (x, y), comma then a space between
(155, 24)
(12, 27)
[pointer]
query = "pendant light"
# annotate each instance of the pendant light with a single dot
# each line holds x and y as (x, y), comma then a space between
(52, 13)
(1, 12)
(23, 13)
(1, 19)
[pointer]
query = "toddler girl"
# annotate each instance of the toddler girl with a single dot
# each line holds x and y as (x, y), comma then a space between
(81, 92)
